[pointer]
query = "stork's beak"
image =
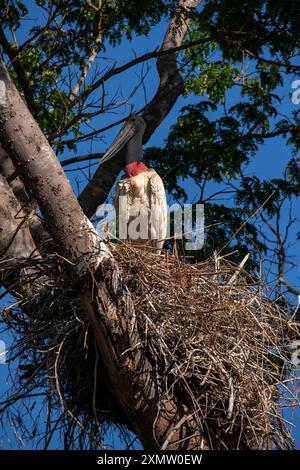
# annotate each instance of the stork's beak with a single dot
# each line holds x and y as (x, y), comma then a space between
(125, 134)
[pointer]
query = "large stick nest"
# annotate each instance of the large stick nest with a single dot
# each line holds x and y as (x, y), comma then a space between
(213, 336)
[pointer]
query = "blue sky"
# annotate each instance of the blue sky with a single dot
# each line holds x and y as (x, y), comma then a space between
(269, 162)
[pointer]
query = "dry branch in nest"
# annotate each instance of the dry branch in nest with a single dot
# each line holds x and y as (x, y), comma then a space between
(213, 337)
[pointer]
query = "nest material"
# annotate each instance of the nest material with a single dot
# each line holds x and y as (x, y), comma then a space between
(211, 333)
(218, 342)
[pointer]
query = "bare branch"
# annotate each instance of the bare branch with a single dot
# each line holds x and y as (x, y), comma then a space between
(22, 78)
(16, 243)
(90, 134)
(239, 269)
(95, 49)
(40, 33)
(26, 201)
(81, 158)
(156, 54)
(280, 252)
(92, 5)
(289, 287)
(223, 37)
(12, 175)
(275, 133)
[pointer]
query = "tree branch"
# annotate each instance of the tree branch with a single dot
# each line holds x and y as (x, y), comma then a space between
(12, 175)
(280, 250)
(156, 54)
(95, 49)
(289, 287)
(81, 158)
(16, 242)
(20, 72)
(270, 135)
(27, 203)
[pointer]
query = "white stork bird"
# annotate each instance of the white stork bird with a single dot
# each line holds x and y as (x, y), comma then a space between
(144, 197)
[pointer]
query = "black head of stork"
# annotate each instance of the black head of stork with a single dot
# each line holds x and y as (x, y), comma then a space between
(131, 136)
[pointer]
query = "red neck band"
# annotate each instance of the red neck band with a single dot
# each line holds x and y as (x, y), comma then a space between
(134, 169)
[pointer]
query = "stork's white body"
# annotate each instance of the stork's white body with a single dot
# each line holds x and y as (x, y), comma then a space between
(143, 199)
(140, 199)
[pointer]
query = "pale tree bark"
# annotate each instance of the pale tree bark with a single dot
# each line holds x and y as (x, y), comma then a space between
(104, 297)
(10, 172)
(19, 255)
(95, 49)
(16, 242)
(26, 201)
(169, 89)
